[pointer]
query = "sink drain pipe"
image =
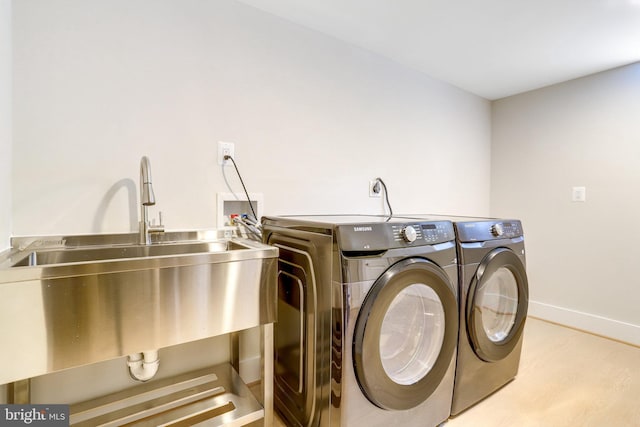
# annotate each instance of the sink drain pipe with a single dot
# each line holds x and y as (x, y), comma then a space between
(143, 366)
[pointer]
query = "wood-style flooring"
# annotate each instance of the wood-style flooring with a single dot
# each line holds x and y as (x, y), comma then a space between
(567, 378)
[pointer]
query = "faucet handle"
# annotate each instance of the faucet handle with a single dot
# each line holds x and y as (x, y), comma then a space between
(156, 228)
(153, 220)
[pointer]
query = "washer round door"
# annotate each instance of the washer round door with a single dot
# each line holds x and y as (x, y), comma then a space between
(497, 305)
(405, 334)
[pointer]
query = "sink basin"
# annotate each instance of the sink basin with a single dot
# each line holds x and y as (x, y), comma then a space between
(53, 256)
(76, 255)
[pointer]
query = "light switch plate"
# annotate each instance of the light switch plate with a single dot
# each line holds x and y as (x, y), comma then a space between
(579, 194)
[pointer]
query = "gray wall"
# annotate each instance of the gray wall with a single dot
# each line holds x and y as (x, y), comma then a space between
(5, 123)
(98, 84)
(5, 132)
(581, 256)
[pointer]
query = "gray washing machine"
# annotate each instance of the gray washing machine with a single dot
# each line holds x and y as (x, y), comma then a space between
(494, 298)
(367, 320)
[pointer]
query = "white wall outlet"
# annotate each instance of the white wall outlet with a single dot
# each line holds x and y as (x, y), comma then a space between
(225, 149)
(375, 188)
(579, 194)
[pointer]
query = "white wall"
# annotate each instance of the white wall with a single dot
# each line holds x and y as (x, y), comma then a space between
(582, 257)
(99, 84)
(5, 133)
(5, 123)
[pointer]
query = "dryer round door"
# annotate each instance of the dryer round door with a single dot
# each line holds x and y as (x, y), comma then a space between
(497, 305)
(405, 334)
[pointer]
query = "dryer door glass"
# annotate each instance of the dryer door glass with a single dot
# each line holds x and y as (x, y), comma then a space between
(412, 333)
(496, 305)
(405, 334)
(497, 300)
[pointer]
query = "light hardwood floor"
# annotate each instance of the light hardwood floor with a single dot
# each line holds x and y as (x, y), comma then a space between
(567, 378)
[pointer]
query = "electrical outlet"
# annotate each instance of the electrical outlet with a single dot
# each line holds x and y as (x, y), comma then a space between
(225, 149)
(375, 188)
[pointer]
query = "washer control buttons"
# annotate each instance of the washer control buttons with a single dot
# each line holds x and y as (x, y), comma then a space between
(409, 234)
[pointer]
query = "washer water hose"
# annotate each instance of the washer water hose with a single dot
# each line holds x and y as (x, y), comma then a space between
(143, 366)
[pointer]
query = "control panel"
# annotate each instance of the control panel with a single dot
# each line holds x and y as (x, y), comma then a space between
(425, 232)
(384, 236)
(478, 231)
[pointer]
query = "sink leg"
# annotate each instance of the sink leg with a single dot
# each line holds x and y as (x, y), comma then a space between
(266, 368)
(234, 350)
(19, 392)
(267, 373)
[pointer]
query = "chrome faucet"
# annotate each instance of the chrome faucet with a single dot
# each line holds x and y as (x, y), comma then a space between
(147, 198)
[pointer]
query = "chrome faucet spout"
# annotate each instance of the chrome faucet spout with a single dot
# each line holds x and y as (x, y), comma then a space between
(147, 198)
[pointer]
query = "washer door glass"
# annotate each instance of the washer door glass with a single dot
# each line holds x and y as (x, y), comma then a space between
(496, 305)
(412, 334)
(497, 300)
(405, 334)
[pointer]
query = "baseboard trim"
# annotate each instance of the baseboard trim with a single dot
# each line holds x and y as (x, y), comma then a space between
(609, 328)
(250, 369)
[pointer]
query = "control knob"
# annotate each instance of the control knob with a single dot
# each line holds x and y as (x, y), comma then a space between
(409, 234)
(497, 230)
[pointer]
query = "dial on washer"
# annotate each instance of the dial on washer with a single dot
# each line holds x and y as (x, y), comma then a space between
(497, 230)
(409, 234)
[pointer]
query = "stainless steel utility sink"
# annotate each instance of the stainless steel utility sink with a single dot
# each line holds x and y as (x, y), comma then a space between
(67, 301)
